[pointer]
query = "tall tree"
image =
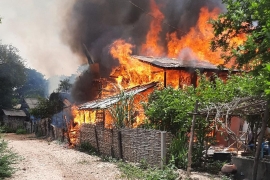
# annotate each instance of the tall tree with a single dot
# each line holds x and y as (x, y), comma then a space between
(34, 86)
(248, 18)
(12, 74)
(64, 85)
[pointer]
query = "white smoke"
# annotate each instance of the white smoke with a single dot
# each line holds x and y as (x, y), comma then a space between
(35, 27)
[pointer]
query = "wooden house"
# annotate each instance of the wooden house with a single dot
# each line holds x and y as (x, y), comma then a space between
(14, 119)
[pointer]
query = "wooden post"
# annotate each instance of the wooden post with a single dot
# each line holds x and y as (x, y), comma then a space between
(165, 78)
(163, 149)
(96, 136)
(258, 149)
(191, 139)
(120, 144)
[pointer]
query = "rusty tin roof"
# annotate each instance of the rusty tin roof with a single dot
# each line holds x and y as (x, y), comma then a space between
(164, 62)
(107, 102)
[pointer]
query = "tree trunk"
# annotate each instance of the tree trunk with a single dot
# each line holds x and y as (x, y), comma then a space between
(191, 140)
(260, 140)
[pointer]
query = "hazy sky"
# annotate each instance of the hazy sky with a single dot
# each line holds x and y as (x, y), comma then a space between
(34, 27)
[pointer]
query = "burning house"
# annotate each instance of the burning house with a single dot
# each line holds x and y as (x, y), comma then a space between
(131, 46)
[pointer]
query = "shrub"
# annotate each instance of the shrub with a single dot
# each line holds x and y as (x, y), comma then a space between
(21, 131)
(7, 129)
(141, 171)
(7, 158)
(179, 150)
(87, 148)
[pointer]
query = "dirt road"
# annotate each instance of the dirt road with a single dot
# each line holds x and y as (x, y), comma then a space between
(43, 160)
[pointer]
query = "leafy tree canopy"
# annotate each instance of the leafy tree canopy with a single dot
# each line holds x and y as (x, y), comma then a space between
(35, 85)
(250, 18)
(48, 107)
(12, 74)
(64, 85)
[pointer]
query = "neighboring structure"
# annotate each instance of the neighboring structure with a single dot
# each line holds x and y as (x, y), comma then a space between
(26, 105)
(14, 119)
(29, 103)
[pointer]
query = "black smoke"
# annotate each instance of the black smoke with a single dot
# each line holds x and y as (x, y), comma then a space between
(97, 23)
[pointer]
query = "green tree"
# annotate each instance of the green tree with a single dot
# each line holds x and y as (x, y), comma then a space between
(12, 74)
(64, 85)
(35, 85)
(250, 18)
(48, 107)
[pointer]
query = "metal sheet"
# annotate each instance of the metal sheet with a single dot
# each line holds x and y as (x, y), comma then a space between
(164, 62)
(107, 102)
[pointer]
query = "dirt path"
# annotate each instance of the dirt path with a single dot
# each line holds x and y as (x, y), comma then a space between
(41, 160)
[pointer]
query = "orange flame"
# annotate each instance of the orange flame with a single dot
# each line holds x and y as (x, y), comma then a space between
(197, 39)
(193, 45)
(151, 46)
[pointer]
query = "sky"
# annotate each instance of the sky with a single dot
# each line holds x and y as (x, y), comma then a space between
(34, 27)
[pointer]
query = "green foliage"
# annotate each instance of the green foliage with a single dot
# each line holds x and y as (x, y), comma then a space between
(266, 77)
(87, 148)
(12, 74)
(139, 171)
(123, 111)
(35, 85)
(179, 150)
(248, 17)
(7, 129)
(64, 85)
(214, 167)
(168, 109)
(21, 131)
(48, 107)
(7, 159)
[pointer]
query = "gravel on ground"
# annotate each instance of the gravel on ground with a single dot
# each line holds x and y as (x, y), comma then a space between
(40, 159)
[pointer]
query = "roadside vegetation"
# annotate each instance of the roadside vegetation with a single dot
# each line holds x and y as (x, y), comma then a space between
(7, 159)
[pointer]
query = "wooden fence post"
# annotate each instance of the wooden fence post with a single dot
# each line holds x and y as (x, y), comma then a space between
(120, 144)
(163, 149)
(191, 140)
(96, 135)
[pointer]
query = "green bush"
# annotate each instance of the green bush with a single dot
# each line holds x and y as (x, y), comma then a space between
(7, 129)
(141, 171)
(179, 150)
(213, 167)
(7, 158)
(87, 148)
(21, 131)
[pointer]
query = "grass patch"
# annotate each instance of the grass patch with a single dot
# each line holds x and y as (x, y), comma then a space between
(87, 148)
(21, 131)
(145, 172)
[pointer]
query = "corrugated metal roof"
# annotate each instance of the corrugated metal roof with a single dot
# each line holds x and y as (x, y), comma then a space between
(107, 102)
(14, 112)
(164, 62)
(31, 102)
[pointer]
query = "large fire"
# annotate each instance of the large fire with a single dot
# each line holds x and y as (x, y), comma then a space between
(131, 72)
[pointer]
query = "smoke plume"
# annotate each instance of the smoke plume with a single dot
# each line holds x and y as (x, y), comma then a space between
(97, 23)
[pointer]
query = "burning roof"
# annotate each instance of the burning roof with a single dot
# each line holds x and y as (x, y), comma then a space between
(107, 102)
(164, 62)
